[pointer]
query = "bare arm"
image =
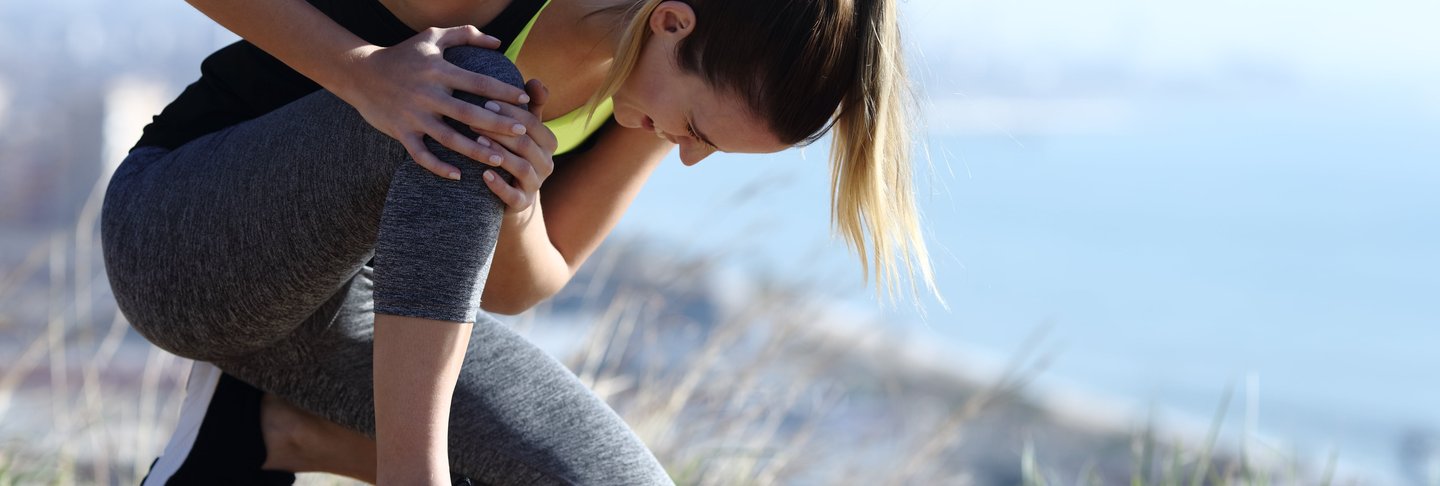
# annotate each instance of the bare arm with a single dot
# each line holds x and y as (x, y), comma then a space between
(292, 31)
(402, 90)
(540, 251)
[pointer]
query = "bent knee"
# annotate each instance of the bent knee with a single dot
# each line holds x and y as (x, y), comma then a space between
(486, 61)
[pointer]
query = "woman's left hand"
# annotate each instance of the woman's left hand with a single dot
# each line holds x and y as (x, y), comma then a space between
(529, 157)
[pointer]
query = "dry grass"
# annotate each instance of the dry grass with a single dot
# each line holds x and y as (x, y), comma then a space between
(740, 399)
(741, 402)
(773, 387)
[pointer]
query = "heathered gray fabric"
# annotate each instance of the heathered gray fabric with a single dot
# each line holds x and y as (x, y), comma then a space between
(248, 248)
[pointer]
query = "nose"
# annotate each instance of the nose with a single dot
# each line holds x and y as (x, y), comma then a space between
(692, 152)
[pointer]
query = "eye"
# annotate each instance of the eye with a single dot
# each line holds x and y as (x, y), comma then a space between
(696, 136)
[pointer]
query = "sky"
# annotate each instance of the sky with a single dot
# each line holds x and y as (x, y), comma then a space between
(1318, 41)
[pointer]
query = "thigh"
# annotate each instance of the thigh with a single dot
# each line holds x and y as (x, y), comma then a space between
(220, 246)
(226, 244)
(518, 415)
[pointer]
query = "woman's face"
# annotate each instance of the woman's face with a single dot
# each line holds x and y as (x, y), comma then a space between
(681, 107)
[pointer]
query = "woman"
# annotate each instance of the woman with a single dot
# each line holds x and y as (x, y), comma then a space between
(282, 232)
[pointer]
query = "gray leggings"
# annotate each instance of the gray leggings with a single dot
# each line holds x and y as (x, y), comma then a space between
(248, 248)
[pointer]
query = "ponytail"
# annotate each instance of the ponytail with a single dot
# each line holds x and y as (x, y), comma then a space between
(872, 190)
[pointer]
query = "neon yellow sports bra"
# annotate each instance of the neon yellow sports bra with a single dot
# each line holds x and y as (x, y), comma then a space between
(570, 129)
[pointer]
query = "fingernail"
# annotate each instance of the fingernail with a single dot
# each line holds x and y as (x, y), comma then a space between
(518, 129)
(492, 38)
(495, 159)
(524, 98)
(492, 106)
(485, 142)
(490, 176)
(454, 176)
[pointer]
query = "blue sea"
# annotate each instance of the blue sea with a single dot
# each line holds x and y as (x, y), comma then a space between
(1284, 245)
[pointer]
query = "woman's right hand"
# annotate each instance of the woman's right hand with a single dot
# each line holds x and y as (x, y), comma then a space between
(406, 90)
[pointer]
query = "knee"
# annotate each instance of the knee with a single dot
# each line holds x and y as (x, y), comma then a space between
(482, 61)
(488, 62)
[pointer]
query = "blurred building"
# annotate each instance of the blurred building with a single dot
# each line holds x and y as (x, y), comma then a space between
(78, 78)
(4, 102)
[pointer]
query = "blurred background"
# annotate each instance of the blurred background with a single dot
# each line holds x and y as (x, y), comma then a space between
(1173, 237)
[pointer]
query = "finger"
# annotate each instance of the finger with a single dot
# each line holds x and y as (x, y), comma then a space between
(533, 126)
(478, 118)
(459, 79)
(416, 146)
(528, 121)
(465, 35)
(495, 153)
(513, 198)
(539, 96)
(454, 140)
(524, 172)
(523, 150)
(536, 157)
(541, 157)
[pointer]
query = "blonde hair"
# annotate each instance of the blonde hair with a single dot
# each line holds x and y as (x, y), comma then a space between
(871, 181)
(862, 89)
(627, 54)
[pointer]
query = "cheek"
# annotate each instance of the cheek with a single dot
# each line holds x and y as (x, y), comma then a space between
(650, 89)
(652, 98)
(626, 116)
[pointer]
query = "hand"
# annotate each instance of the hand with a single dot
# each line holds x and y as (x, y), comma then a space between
(405, 91)
(529, 157)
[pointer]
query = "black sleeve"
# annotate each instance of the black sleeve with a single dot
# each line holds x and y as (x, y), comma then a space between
(240, 81)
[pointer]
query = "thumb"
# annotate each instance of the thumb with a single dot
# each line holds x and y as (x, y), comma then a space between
(463, 35)
(539, 95)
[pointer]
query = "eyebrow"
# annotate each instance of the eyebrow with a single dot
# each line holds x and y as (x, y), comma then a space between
(701, 134)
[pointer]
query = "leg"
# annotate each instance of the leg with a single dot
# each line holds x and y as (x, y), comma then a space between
(223, 246)
(226, 244)
(299, 441)
(518, 416)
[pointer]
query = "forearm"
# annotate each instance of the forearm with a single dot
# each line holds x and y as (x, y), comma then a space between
(527, 267)
(295, 33)
(536, 256)
(416, 364)
(587, 199)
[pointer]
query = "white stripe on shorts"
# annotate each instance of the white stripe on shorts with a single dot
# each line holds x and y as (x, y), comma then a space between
(199, 389)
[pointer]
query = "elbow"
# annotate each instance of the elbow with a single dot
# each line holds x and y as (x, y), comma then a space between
(517, 302)
(509, 306)
(506, 307)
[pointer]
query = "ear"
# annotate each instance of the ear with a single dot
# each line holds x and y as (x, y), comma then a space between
(672, 18)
